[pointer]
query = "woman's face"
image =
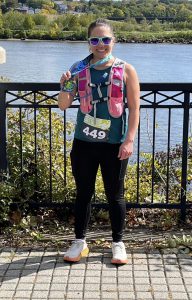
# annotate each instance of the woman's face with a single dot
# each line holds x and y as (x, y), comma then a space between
(101, 50)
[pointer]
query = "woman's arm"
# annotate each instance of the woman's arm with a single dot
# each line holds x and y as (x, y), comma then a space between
(133, 102)
(65, 99)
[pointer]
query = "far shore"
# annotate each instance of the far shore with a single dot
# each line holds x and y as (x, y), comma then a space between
(128, 41)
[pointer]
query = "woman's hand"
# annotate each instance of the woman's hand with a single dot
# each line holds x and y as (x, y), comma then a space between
(125, 150)
(65, 76)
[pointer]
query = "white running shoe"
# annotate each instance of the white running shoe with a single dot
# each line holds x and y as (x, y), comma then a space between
(119, 253)
(77, 250)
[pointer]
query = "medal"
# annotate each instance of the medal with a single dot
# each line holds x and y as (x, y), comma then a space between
(79, 66)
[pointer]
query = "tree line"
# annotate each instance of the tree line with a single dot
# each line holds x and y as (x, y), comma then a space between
(49, 24)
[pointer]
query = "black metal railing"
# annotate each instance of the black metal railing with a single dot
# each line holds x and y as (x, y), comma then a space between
(163, 132)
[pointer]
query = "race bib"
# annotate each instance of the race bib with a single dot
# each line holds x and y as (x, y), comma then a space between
(96, 129)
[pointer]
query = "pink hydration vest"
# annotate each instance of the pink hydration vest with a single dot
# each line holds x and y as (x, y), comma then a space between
(114, 91)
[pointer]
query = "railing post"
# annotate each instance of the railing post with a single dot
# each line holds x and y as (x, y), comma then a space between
(184, 155)
(3, 150)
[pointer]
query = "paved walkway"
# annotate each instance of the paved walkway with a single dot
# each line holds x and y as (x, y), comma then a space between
(41, 274)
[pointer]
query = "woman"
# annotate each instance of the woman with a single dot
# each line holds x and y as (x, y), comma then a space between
(103, 136)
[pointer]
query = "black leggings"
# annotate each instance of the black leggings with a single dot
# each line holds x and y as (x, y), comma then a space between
(85, 159)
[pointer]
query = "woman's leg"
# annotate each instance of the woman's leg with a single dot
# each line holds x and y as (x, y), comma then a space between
(84, 167)
(113, 172)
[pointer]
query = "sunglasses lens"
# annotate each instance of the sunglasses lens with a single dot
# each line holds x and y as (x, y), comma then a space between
(106, 40)
(94, 41)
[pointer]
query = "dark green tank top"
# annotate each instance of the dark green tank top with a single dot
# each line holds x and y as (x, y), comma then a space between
(118, 128)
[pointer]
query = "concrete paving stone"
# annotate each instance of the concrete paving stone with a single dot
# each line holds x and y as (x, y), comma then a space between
(36, 253)
(19, 260)
(62, 266)
(107, 260)
(92, 287)
(10, 280)
(186, 268)
(2, 272)
(141, 274)
(80, 266)
(47, 266)
(96, 260)
(171, 268)
(57, 295)
(60, 272)
(173, 274)
(33, 267)
(77, 273)
(187, 274)
(143, 288)
(169, 256)
(43, 279)
(178, 281)
(125, 273)
(176, 288)
(127, 267)
(48, 272)
(8, 286)
(97, 254)
(109, 267)
(109, 279)
(58, 279)
(159, 288)
(58, 287)
(75, 287)
(159, 274)
(25, 286)
(126, 288)
(144, 295)
(140, 268)
(106, 273)
(189, 287)
(185, 261)
(47, 261)
(42, 286)
(40, 294)
(27, 279)
(139, 255)
(94, 267)
(155, 261)
(190, 296)
(4, 266)
(93, 273)
(126, 296)
(90, 295)
(23, 294)
(138, 261)
(15, 266)
(141, 280)
(5, 260)
(26, 273)
(179, 296)
(109, 295)
(33, 260)
(163, 295)
(6, 294)
(11, 273)
(187, 280)
(156, 266)
(171, 261)
(92, 279)
(158, 280)
(77, 279)
(109, 287)
(74, 295)
(125, 280)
